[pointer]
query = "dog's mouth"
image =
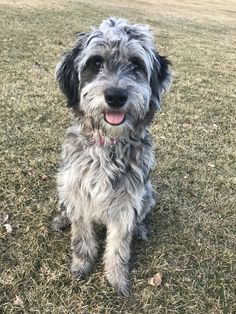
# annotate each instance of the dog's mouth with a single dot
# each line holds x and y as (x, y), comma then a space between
(114, 117)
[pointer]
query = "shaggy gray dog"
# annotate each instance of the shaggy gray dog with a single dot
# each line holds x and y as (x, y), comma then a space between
(113, 79)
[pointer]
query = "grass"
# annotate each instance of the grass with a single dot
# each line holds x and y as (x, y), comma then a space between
(192, 239)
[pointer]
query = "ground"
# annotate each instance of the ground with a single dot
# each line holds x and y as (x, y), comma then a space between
(192, 238)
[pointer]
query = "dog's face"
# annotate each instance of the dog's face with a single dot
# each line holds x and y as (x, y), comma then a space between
(115, 77)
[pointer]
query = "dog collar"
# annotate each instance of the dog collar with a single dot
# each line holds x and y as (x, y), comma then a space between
(102, 140)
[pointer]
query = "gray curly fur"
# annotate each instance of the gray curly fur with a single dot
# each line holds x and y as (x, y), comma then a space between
(104, 176)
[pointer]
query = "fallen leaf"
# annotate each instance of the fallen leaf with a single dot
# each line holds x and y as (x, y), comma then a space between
(44, 177)
(210, 165)
(156, 280)
(8, 228)
(18, 301)
(187, 126)
(5, 218)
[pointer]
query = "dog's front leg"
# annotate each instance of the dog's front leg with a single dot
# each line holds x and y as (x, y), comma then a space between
(117, 253)
(84, 247)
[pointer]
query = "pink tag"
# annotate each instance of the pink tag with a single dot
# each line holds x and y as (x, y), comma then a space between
(101, 140)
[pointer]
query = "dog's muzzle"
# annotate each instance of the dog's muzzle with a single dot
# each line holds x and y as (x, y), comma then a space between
(116, 99)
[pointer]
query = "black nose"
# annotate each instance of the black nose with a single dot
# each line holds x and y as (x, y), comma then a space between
(116, 97)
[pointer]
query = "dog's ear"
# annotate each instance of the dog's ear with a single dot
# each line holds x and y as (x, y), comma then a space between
(67, 72)
(160, 80)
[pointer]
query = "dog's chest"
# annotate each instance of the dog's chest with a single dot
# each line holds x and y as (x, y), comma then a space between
(96, 180)
(98, 177)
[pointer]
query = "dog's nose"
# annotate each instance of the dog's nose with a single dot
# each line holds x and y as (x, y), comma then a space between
(116, 97)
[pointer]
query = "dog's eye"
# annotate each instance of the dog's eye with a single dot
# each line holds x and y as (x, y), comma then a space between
(136, 64)
(96, 62)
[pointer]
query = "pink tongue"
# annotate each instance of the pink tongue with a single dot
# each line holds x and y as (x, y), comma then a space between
(114, 117)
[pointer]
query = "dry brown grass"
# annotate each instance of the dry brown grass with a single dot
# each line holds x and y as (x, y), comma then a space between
(192, 229)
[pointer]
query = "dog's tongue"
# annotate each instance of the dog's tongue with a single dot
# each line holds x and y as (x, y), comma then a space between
(114, 117)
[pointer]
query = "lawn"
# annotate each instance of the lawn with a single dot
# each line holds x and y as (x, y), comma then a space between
(192, 238)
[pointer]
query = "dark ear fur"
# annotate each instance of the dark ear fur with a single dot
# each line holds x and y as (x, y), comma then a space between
(160, 79)
(67, 74)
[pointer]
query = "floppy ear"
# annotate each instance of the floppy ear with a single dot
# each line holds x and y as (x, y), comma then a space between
(67, 73)
(160, 79)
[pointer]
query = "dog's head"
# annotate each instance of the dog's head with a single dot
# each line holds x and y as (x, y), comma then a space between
(114, 76)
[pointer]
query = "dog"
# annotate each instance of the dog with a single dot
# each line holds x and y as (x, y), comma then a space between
(113, 80)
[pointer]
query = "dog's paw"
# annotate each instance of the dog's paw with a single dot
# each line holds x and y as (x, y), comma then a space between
(120, 282)
(60, 223)
(80, 268)
(141, 232)
(124, 290)
(78, 273)
(123, 287)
